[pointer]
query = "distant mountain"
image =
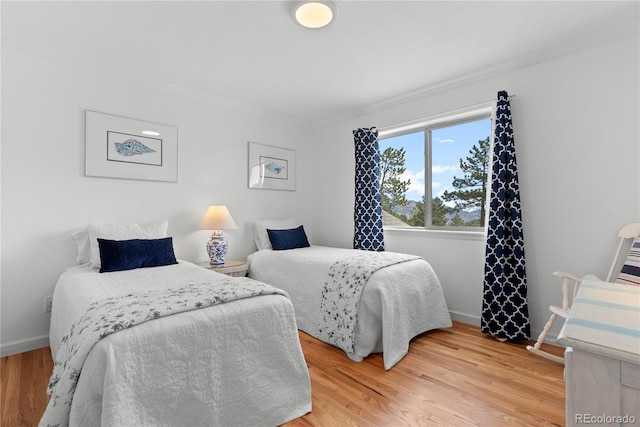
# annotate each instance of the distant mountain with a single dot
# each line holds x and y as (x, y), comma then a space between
(466, 216)
(405, 210)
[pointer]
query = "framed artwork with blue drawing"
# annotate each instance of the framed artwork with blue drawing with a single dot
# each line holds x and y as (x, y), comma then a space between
(121, 147)
(271, 168)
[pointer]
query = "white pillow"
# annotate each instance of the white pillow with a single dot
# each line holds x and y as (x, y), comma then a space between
(81, 238)
(261, 236)
(151, 230)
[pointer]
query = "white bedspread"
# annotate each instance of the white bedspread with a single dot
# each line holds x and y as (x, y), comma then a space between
(238, 363)
(398, 303)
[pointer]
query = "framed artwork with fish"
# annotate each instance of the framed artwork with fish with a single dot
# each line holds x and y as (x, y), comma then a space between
(121, 147)
(271, 168)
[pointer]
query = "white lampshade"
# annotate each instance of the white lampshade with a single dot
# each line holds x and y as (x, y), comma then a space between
(314, 14)
(218, 218)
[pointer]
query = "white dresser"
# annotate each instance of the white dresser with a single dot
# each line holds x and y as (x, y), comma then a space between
(602, 360)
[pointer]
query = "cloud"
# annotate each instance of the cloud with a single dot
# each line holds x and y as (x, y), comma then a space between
(417, 182)
(440, 193)
(445, 141)
(416, 188)
(444, 168)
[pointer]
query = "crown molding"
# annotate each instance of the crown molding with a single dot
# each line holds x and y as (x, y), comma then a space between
(578, 43)
(605, 33)
(97, 66)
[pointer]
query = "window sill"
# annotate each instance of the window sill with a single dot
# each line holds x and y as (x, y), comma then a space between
(438, 234)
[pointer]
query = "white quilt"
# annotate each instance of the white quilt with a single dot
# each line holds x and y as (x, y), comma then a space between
(398, 302)
(237, 363)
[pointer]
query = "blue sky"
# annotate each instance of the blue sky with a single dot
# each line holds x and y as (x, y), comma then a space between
(450, 144)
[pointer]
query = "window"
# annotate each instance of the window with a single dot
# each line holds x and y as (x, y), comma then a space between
(443, 162)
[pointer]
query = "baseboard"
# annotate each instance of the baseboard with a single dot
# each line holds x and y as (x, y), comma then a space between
(43, 341)
(21, 346)
(549, 339)
(475, 320)
(464, 318)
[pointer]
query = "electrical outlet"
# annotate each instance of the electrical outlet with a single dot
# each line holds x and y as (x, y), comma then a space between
(48, 304)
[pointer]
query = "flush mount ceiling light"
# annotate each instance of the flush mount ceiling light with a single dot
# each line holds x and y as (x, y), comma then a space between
(314, 14)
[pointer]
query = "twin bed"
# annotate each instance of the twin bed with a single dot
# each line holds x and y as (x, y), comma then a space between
(217, 350)
(402, 297)
(194, 347)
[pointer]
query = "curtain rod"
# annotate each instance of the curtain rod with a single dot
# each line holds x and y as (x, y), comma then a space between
(436, 116)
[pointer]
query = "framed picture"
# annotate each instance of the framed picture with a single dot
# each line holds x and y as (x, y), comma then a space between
(120, 147)
(271, 168)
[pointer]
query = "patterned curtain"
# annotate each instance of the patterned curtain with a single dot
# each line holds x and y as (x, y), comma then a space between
(505, 314)
(368, 209)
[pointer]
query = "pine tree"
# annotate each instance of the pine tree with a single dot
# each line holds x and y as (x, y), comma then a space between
(438, 211)
(471, 189)
(417, 215)
(392, 187)
(457, 221)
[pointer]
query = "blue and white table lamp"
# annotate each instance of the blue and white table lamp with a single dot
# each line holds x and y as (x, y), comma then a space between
(217, 219)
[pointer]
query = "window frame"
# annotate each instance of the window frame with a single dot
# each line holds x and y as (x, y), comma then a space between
(464, 115)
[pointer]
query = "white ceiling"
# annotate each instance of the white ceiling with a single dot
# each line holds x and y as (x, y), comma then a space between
(252, 52)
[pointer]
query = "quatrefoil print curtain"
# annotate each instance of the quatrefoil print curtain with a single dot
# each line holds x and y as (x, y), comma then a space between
(505, 314)
(368, 234)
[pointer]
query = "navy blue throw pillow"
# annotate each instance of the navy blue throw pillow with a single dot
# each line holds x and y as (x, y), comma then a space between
(118, 255)
(288, 239)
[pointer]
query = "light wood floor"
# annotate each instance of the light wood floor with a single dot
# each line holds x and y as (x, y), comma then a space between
(451, 377)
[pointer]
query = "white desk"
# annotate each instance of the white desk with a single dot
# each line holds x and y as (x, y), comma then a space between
(602, 360)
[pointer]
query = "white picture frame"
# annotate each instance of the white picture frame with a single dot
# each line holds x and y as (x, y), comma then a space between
(125, 148)
(271, 168)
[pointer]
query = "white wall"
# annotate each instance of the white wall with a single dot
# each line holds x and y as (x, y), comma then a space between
(578, 145)
(576, 130)
(45, 194)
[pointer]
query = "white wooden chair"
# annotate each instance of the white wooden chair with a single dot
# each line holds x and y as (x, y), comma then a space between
(570, 283)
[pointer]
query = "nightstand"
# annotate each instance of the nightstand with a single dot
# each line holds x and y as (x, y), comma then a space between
(230, 268)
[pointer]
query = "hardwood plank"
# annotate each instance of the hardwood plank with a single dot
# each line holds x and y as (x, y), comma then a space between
(454, 376)
(10, 375)
(24, 378)
(33, 381)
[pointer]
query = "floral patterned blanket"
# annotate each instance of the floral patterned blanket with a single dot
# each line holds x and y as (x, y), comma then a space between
(341, 294)
(120, 312)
